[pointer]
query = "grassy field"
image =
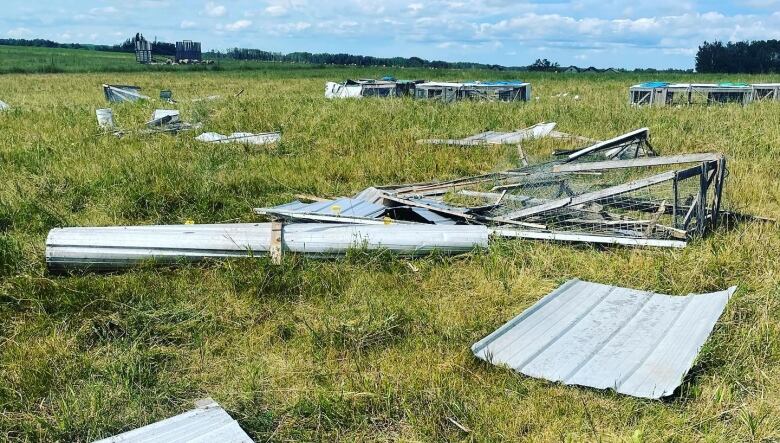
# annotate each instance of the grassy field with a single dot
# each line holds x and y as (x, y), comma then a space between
(370, 348)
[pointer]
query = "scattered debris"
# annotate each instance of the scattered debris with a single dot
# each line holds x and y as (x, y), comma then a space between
(163, 120)
(638, 343)
(615, 192)
(4, 106)
(105, 118)
(539, 130)
(123, 93)
(208, 422)
(114, 248)
(247, 138)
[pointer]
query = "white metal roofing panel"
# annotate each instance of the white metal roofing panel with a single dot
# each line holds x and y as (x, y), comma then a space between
(207, 423)
(638, 343)
(346, 207)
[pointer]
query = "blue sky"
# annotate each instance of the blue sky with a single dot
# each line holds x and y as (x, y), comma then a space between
(639, 33)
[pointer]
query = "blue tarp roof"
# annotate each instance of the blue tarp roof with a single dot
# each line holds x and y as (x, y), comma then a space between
(498, 83)
(654, 84)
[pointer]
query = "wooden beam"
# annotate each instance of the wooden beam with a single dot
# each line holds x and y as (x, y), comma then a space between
(275, 250)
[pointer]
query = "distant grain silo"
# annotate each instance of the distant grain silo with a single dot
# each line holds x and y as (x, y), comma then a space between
(143, 49)
(189, 51)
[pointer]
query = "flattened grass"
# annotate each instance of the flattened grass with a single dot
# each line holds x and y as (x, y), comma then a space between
(367, 348)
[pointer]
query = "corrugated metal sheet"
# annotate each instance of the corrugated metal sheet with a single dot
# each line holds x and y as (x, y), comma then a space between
(346, 207)
(207, 423)
(119, 247)
(539, 130)
(635, 342)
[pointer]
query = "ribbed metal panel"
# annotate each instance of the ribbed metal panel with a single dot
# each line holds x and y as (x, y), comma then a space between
(207, 423)
(346, 207)
(118, 247)
(635, 342)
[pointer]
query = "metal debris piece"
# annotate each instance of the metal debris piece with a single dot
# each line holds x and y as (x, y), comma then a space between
(123, 93)
(638, 343)
(241, 137)
(112, 248)
(629, 145)
(167, 96)
(343, 207)
(536, 131)
(105, 118)
(208, 422)
(4, 106)
(610, 192)
(163, 117)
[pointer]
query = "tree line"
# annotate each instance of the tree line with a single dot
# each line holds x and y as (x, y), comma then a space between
(344, 59)
(159, 48)
(755, 57)
(712, 57)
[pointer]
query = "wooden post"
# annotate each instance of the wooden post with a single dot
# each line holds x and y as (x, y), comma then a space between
(702, 212)
(676, 201)
(275, 251)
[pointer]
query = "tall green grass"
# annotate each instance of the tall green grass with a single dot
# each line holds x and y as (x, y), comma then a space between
(369, 348)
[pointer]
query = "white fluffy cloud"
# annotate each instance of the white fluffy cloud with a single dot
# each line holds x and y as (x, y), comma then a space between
(215, 10)
(657, 33)
(19, 32)
(238, 25)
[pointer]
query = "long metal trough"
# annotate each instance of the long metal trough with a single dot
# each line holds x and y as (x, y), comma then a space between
(112, 248)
